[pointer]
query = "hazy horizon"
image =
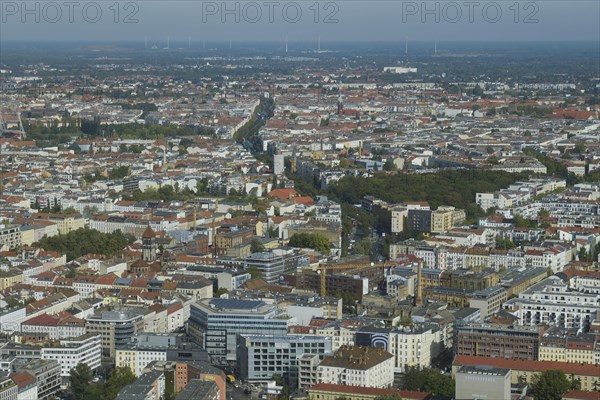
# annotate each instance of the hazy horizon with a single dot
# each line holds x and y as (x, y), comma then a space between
(301, 21)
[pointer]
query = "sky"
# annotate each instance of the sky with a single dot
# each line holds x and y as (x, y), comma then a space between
(192, 21)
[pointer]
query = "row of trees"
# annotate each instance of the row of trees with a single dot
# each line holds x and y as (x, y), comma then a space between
(85, 241)
(163, 193)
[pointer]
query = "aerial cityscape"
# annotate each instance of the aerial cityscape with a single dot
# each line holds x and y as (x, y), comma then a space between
(210, 219)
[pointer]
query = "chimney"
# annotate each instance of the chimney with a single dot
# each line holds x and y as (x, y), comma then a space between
(419, 297)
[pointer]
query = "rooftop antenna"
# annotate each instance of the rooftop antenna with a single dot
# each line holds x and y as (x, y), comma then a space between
(286, 43)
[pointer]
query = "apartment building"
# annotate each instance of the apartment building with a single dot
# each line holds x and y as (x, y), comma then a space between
(261, 356)
(489, 300)
(413, 346)
(69, 353)
(493, 340)
(358, 366)
(557, 344)
(47, 374)
(552, 302)
(10, 237)
(445, 218)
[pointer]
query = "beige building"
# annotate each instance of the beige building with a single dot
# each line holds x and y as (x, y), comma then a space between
(358, 366)
(581, 349)
(65, 222)
(488, 300)
(414, 346)
(10, 278)
(10, 237)
(445, 218)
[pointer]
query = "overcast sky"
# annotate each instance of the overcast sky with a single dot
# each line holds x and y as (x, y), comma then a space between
(272, 20)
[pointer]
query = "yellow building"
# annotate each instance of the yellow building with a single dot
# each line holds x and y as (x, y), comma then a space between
(65, 222)
(445, 218)
(10, 278)
(581, 349)
(325, 391)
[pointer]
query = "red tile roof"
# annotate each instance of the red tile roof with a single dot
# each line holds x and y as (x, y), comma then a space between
(581, 395)
(23, 379)
(404, 394)
(523, 365)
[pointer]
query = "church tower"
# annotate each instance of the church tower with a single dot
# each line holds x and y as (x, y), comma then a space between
(149, 246)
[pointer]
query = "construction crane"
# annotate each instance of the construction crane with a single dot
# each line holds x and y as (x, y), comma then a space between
(322, 269)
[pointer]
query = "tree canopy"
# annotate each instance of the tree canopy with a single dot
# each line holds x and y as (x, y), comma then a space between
(453, 188)
(429, 380)
(551, 385)
(315, 241)
(82, 388)
(87, 241)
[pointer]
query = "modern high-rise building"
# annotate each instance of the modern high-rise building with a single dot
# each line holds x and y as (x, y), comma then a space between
(115, 328)
(215, 323)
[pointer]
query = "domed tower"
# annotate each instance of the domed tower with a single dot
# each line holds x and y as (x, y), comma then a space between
(149, 246)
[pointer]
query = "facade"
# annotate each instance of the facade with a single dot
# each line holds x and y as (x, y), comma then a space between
(47, 374)
(261, 356)
(358, 366)
(558, 345)
(232, 280)
(489, 301)
(27, 386)
(493, 340)
(10, 237)
(445, 218)
(481, 382)
(8, 389)
(146, 348)
(552, 302)
(115, 328)
(272, 265)
(216, 323)
(188, 371)
(10, 278)
(70, 352)
(55, 327)
(419, 220)
(410, 346)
